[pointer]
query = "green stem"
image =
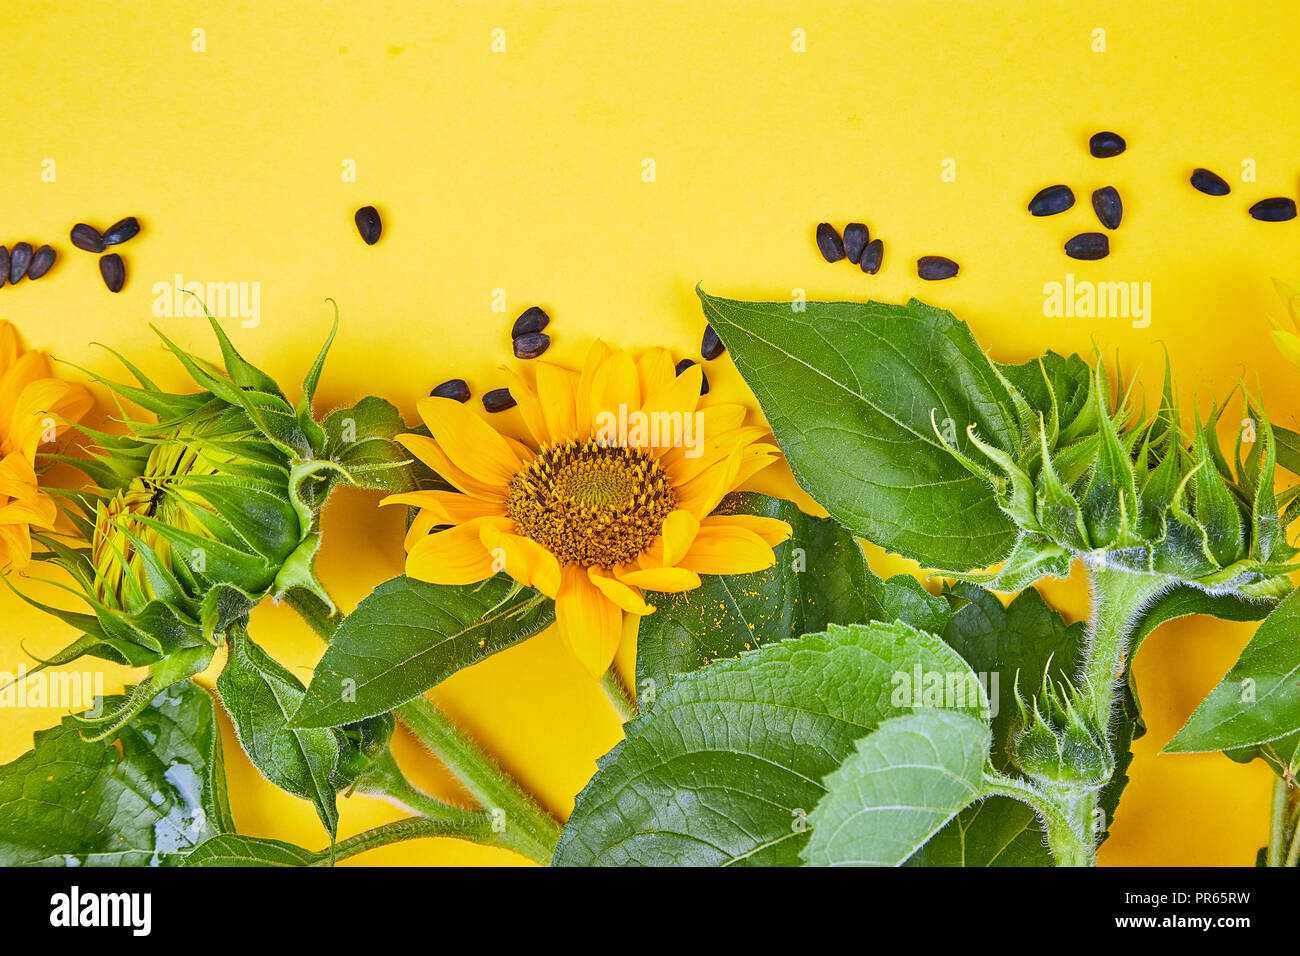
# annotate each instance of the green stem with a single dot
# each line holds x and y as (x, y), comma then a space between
(519, 822)
(619, 696)
(1277, 823)
(1070, 845)
(1118, 598)
(411, 828)
(1293, 854)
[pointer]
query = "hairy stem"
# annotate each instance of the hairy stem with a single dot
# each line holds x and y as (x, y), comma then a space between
(619, 696)
(411, 828)
(518, 822)
(1070, 846)
(1277, 824)
(1118, 599)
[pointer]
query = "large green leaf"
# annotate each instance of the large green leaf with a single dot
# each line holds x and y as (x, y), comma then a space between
(144, 798)
(724, 767)
(904, 782)
(408, 636)
(997, 831)
(1259, 699)
(820, 577)
(260, 694)
(853, 392)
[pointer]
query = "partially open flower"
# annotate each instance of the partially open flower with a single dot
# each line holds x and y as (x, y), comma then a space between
(35, 409)
(613, 494)
(1136, 493)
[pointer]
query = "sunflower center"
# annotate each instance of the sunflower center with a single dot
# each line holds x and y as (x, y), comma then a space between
(591, 504)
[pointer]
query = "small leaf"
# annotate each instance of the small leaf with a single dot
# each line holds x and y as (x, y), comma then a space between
(907, 779)
(236, 849)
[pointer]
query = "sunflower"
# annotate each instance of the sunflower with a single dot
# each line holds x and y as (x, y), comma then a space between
(34, 408)
(590, 512)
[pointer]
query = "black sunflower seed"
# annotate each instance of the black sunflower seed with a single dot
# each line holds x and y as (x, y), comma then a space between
(1274, 209)
(4, 266)
(936, 267)
(87, 237)
(369, 224)
(856, 237)
(684, 364)
(829, 242)
(531, 344)
(532, 319)
(871, 257)
(121, 231)
(1106, 144)
(19, 257)
(113, 270)
(711, 346)
(1212, 184)
(456, 388)
(1052, 200)
(42, 260)
(1088, 245)
(498, 400)
(1108, 207)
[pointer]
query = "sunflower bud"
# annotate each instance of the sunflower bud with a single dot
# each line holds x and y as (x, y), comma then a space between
(1056, 745)
(1132, 492)
(198, 516)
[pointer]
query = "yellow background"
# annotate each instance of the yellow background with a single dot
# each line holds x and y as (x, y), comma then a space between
(522, 171)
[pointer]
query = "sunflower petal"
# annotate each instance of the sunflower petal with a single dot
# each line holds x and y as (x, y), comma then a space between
(626, 597)
(530, 407)
(679, 530)
(523, 559)
(727, 549)
(448, 507)
(773, 531)
(474, 445)
(454, 556)
(555, 391)
(655, 371)
(596, 356)
(668, 580)
(590, 625)
(431, 453)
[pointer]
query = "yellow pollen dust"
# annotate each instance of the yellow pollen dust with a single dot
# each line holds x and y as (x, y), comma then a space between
(591, 504)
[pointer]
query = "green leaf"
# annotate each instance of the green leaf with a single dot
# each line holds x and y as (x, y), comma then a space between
(1259, 699)
(820, 577)
(724, 767)
(853, 393)
(906, 780)
(997, 831)
(360, 441)
(142, 799)
(235, 849)
(408, 636)
(260, 694)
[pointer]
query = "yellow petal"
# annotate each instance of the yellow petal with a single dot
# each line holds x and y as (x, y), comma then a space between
(626, 597)
(1288, 343)
(678, 532)
(655, 370)
(728, 549)
(530, 408)
(431, 453)
(596, 356)
(470, 442)
(589, 624)
(523, 559)
(713, 423)
(555, 391)
(421, 524)
(715, 448)
(668, 580)
(448, 507)
(615, 386)
(773, 531)
(454, 556)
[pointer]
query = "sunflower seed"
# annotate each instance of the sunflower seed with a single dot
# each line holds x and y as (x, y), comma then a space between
(113, 270)
(87, 237)
(829, 242)
(498, 400)
(936, 267)
(1274, 209)
(871, 257)
(1212, 184)
(1108, 207)
(19, 257)
(1052, 200)
(531, 344)
(456, 388)
(4, 266)
(711, 346)
(1088, 245)
(533, 319)
(1106, 144)
(121, 231)
(369, 224)
(684, 364)
(856, 237)
(42, 261)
